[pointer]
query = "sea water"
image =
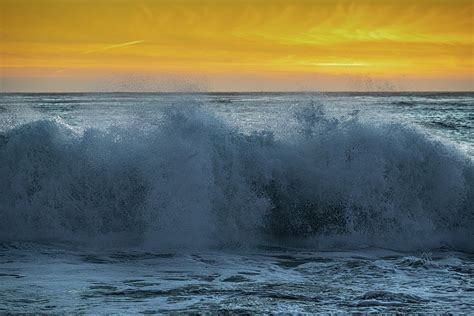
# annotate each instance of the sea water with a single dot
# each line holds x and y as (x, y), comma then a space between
(263, 202)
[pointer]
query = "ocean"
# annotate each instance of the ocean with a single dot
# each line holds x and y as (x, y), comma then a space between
(237, 202)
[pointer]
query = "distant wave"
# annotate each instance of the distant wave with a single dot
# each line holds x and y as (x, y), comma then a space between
(193, 180)
(451, 125)
(405, 103)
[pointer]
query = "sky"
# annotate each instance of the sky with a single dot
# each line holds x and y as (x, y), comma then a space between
(250, 45)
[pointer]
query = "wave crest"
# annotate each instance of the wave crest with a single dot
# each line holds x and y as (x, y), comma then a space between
(192, 180)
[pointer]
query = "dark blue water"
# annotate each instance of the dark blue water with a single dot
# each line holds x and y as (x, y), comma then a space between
(284, 202)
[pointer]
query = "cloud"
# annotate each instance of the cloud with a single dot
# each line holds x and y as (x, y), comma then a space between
(112, 47)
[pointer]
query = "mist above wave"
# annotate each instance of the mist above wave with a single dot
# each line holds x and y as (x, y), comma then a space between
(193, 180)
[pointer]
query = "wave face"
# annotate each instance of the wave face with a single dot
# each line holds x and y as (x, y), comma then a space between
(192, 180)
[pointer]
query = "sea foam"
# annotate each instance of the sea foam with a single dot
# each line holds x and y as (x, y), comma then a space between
(193, 180)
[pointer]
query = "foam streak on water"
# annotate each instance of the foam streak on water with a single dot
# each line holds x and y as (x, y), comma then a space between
(65, 279)
(162, 202)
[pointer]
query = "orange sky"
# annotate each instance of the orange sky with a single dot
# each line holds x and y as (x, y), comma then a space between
(250, 45)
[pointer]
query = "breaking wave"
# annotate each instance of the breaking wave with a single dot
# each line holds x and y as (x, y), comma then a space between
(193, 180)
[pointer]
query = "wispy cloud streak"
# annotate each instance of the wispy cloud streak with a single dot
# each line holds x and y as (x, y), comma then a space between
(112, 47)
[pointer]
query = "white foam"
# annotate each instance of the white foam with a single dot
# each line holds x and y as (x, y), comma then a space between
(192, 180)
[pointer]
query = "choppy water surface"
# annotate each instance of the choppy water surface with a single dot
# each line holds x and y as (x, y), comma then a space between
(128, 203)
(47, 278)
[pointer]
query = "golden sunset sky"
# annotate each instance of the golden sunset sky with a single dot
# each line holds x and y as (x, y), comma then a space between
(259, 45)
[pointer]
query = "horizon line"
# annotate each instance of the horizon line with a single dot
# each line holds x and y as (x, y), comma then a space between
(235, 92)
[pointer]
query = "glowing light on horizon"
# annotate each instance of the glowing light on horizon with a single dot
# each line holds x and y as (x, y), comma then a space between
(341, 64)
(424, 40)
